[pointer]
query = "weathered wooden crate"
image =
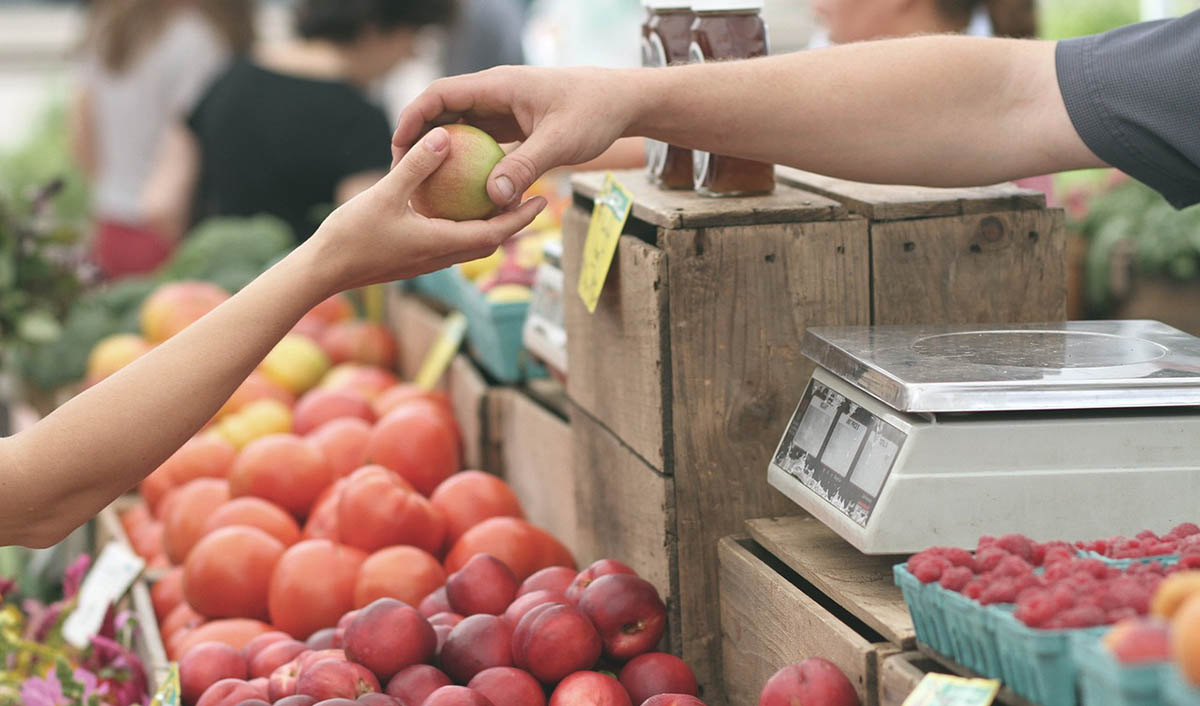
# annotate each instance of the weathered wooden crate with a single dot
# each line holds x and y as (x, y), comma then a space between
(902, 672)
(685, 376)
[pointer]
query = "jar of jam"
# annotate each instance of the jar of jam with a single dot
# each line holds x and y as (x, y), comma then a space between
(667, 40)
(722, 30)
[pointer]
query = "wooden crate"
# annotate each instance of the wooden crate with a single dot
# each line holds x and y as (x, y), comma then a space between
(771, 617)
(902, 672)
(690, 367)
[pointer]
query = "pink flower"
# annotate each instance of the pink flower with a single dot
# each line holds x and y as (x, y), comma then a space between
(7, 586)
(74, 575)
(43, 692)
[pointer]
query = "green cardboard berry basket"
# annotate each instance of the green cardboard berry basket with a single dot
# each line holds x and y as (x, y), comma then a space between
(1165, 559)
(1177, 691)
(1038, 664)
(958, 627)
(1103, 681)
(925, 606)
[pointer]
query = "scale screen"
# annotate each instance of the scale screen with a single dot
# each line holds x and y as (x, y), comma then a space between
(839, 450)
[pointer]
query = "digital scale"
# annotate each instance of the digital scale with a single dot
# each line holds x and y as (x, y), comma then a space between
(913, 436)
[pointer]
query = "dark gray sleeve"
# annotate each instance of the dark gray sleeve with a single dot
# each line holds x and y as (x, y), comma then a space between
(487, 34)
(1133, 95)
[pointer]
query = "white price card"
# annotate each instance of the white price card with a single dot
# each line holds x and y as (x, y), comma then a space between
(109, 578)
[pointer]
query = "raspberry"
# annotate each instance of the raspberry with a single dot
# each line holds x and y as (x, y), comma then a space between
(1187, 529)
(1127, 592)
(1081, 616)
(920, 557)
(1063, 597)
(931, 569)
(1160, 548)
(1093, 567)
(1145, 535)
(1001, 590)
(988, 558)
(984, 542)
(1188, 561)
(1057, 555)
(956, 578)
(1036, 608)
(1013, 566)
(974, 589)
(1017, 544)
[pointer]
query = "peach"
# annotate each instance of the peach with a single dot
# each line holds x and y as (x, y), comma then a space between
(254, 388)
(1134, 640)
(584, 578)
(319, 406)
(554, 578)
(230, 692)
(344, 443)
(205, 665)
(477, 643)
(627, 612)
(1172, 593)
(483, 585)
(323, 639)
(814, 680)
(296, 700)
(590, 689)
(367, 380)
(523, 604)
(203, 456)
(412, 685)
(405, 573)
(388, 636)
(331, 679)
(282, 682)
(258, 419)
(507, 686)
(555, 640)
(673, 700)
(113, 353)
(176, 305)
(377, 700)
(657, 673)
(1185, 639)
(359, 342)
(470, 497)
(188, 508)
(449, 619)
(274, 656)
(456, 696)
(458, 189)
(262, 642)
(435, 603)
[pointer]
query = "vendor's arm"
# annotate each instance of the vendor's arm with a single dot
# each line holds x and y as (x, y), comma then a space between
(69, 466)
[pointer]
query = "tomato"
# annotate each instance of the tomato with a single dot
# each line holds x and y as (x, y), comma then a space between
(255, 387)
(313, 586)
(359, 342)
(399, 395)
(154, 489)
(235, 632)
(407, 574)
(323, 520)
(282, 468)
(468, 498)
(167, 592)
(416, 442)
(256, 512)
(228, 573)
(344, 443)
(182, 617)
(203, 456)
(524, 547)
(186, 512)
(379, 509)
(148, 540)
(323, 405)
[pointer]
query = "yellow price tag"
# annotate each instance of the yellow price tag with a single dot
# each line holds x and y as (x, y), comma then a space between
(442, 352)
(947, 690)
(613, 204)
(168, 692)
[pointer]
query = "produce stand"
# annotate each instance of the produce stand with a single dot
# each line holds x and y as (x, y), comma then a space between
(683, 378)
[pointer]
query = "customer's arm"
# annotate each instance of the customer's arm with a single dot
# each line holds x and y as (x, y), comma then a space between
(69, 466)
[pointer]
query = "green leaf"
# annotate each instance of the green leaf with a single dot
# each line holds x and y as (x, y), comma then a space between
(38, 326)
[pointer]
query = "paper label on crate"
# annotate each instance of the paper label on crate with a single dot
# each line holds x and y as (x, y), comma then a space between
(108, 580)
(443, 350)
(609, 214)
(947, 690)
(168, 692)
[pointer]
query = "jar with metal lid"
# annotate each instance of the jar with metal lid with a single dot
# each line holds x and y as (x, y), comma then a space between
(666, 40)
(724, 30)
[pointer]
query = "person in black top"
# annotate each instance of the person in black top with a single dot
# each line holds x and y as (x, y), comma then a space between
(289, 131)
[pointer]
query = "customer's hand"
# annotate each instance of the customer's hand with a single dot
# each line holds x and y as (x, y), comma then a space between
(377, 237)
(560, 116)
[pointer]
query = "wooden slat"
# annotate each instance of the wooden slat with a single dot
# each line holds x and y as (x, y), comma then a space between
(898, 676)
(626, 509)
(618, 354)
(468, 393)
(769, 623)
(536, 454)
(1006, 697)
(860, 583)
(995, 267)
(885, 202)
(684, 209)
(416, 326)
(740, 300)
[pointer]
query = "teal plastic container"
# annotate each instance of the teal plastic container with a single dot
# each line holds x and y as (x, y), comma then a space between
(1103, 681)
(441, 286)
(1165, 559)
(972, 633)
(1177, 692)
(1038, 664)
(926, 604)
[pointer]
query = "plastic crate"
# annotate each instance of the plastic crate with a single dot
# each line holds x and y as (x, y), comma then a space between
(1177, 692)
(443, 286)
(1038, 664)
(1103, 681)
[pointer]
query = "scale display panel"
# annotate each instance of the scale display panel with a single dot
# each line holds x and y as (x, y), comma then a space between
(839, 450)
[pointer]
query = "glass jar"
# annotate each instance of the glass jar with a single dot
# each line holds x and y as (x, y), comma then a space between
(666, 41)
(723, 30)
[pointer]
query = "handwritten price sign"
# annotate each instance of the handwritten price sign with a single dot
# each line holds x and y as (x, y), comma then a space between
(609, 214)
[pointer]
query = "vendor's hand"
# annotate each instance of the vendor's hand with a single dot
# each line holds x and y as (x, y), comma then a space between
(560, 116)
(377, 237)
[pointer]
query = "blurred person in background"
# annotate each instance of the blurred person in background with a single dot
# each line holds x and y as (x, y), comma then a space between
(486, 33)
(146, 62)
(290, 130)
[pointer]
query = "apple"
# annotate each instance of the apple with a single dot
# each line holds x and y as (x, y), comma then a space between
(230, 692)
(554, 578)
(813, 681)
(508, 686)
(458, 189)
(477, 643)
(205, 665)
(435, 603)
(331, 679)
(627, 612)
(590, 689)
(389, 635)
(412, 685)
(322, 639)
(583, 579)
(483, 585)
(673, 700)
(274, 656)
(555, 640)
(523, 604)
(657, 673)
